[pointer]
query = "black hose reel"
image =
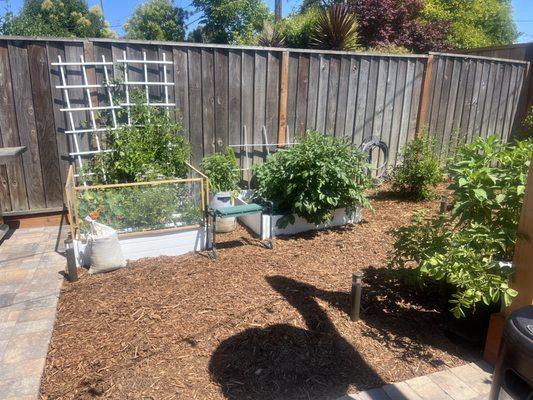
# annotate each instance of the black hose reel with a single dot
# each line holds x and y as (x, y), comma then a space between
(368, 146)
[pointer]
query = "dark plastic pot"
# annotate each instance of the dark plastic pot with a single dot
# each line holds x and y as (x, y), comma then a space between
(472, 329)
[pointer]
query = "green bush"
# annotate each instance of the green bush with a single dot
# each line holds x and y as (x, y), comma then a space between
(222, 170)
(315, 177)
(419, 171)
(462, 248)
(152, 147)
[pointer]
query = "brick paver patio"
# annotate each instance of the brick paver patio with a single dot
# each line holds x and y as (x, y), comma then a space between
(467, 382)
(30, 280)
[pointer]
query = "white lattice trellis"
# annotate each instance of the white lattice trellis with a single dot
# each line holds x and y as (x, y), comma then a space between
(75, 131)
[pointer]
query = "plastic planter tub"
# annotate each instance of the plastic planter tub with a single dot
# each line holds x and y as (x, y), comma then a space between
(340, 218)
(221, 200)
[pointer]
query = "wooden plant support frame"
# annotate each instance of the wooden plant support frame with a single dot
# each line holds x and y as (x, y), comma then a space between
(72, 189)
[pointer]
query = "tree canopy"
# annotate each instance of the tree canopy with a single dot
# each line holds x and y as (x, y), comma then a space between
(232, 21)
(60, 18)
(157, 20)
(474, 23)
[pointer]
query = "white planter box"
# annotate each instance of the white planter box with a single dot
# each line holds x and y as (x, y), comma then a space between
(171, 242)
(340, 218)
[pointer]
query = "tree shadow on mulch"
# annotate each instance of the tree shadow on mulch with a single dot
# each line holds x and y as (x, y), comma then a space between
(286, 362)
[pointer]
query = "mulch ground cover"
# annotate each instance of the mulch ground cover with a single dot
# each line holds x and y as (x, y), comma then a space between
(254, 324)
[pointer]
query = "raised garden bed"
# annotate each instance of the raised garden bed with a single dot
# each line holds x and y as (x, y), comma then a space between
(254, 324)
(152, 219)
(340, 217)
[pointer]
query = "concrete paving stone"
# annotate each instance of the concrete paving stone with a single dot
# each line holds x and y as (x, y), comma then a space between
(6, 299)
(452, 385)
(401, 391)
(476, 378)
(34, 326)
(373, 394)
(27, 369)
(27, 346)
(19, 388)
(37, 314)
(427, 389)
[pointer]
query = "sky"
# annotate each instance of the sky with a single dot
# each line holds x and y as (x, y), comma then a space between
(118, 11)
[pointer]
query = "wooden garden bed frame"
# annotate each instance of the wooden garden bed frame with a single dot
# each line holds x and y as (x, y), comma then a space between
(72, 189)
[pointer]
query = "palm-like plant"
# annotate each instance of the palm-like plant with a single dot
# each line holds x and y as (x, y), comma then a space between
(270, 36)
(336, 29)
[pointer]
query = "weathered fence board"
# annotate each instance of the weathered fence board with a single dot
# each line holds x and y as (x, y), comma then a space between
(223, 93)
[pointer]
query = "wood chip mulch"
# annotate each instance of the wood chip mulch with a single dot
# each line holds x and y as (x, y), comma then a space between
(254, 324)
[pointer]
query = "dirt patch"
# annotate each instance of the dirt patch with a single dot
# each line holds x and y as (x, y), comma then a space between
(255, 324)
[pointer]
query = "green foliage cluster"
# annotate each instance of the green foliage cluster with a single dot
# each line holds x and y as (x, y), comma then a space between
(315, 177)
(138, 208)
(474, 23)
(462, 248)
(232, 21)
(157, 20)
(297, 28)
(222, 170)
(526, 129)
(152, 147)
(60, 18)
(419, 171)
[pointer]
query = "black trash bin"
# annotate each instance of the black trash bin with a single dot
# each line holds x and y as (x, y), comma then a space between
(513, 375)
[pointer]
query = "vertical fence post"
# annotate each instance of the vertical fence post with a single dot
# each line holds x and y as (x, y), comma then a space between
(424, 101)
(282, 134)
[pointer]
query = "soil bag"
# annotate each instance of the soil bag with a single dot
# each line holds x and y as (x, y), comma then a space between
(104, 249)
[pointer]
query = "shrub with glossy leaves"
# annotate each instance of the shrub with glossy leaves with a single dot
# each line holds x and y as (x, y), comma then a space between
(419, 171)
(315, 177)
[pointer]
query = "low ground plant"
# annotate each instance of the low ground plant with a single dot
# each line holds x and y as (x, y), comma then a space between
(419, 171)
(315, 177)
(222, 170)
(463, 248)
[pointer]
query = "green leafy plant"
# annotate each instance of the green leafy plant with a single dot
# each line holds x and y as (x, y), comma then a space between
(315, 177)
(222, 170)
(152, 147)
(463, 248)
(270, 36)
(146, 207)
(336, 28)
(489, 181)
(419, 171)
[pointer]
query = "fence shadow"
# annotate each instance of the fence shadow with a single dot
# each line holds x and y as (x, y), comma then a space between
(283, 361)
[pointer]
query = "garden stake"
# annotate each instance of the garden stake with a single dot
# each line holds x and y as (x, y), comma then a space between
(443, 204)
(357, 281)
(72, 270)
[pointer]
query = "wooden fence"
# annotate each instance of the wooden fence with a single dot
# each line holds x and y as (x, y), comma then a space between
(520, 52)
(223, 91)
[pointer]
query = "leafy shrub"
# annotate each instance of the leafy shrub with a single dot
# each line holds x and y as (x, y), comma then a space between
(146, 207)
(526, 128)
(271, 36)
(315, 177)
(222, 170)
(462, 248)
(297, 28)
(489, 181)
(336, 29)
(420, 169)
(152, 147)
(399, 23)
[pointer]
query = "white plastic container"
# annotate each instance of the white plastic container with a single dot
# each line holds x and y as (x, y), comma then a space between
(221, 200)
